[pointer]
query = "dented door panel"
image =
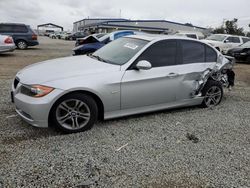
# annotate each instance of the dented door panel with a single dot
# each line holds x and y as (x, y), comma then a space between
(190, 76)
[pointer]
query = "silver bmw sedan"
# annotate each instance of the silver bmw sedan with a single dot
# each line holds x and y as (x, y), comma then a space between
(131, 75)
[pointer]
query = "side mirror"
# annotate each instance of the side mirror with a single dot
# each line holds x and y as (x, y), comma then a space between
(143, 65)
(226, 41)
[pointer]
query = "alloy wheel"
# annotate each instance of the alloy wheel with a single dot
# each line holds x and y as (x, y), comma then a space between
(73, 114)
(22, 45)
(213, 96)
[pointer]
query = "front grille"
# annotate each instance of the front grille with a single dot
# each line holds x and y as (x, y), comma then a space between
(16, 82)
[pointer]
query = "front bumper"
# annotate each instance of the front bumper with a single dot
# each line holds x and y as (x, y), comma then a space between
(34, 111)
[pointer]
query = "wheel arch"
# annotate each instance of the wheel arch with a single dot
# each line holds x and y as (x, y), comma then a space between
(20, 39)
(97, 99)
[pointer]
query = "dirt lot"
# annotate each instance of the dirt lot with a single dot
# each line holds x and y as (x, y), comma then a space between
(10, 63)
(153, 150)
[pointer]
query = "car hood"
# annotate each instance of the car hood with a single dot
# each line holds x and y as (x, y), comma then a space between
(212, 42)
(238, 49)
(62, 68)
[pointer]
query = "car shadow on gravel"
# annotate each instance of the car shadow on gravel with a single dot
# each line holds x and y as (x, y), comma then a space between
(7, 54)
(29, 48)
(27, 132)
(148, 114)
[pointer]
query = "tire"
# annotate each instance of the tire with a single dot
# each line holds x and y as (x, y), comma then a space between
(22, 45)
(213, 93)
(248, 59)
(74, 113)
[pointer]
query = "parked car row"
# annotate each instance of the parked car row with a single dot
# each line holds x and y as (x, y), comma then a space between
(22, 35)
(92, 43)
(223, 42)
(67, 35)
(241, 53)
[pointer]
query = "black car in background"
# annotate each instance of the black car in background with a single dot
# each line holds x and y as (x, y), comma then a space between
(241, 53)
(89, 39)
(22, 34)
(76, 35)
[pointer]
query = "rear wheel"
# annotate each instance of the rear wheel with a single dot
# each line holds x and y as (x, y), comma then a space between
(21, 44)
(75, 112)
(213, 93)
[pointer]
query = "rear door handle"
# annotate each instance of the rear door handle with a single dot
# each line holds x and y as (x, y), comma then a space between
(172, 75)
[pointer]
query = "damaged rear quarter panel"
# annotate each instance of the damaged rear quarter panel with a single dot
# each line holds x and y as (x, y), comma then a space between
(193, 77)
(190, 78)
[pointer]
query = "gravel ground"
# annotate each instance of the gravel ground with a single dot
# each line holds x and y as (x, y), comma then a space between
(189, 147)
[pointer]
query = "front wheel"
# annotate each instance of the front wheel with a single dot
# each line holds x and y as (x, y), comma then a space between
(213, 93)
(75, 112)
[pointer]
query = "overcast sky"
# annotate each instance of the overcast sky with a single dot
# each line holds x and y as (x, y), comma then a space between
(202, 13)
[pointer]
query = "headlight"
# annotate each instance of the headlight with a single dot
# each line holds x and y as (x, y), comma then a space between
(36, 90)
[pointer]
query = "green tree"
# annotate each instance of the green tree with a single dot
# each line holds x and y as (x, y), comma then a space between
(230, 27)
(219, 30)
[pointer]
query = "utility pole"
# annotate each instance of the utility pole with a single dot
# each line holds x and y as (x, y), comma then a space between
(120, 13)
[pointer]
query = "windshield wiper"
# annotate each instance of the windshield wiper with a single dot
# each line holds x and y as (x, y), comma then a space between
(97, 57)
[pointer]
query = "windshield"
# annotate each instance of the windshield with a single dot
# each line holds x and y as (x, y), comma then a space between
(216, 37)
(100, 35)
(120, 51)
(103, 38)
(246, 45)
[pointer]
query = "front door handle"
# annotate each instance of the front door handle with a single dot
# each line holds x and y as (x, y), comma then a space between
(172, 75)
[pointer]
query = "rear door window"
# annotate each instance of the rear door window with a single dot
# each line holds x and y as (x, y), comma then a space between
(192, 52)
(211, 55)
(5, 28)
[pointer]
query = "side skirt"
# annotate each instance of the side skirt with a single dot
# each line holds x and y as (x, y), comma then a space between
(153, 108)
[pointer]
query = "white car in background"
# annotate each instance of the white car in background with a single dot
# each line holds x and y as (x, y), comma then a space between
(189, 35)
(224, 42)
(6, 44)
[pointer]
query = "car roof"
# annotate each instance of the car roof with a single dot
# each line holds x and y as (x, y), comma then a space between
(120, 31)
(12, 24)
(152, 37)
